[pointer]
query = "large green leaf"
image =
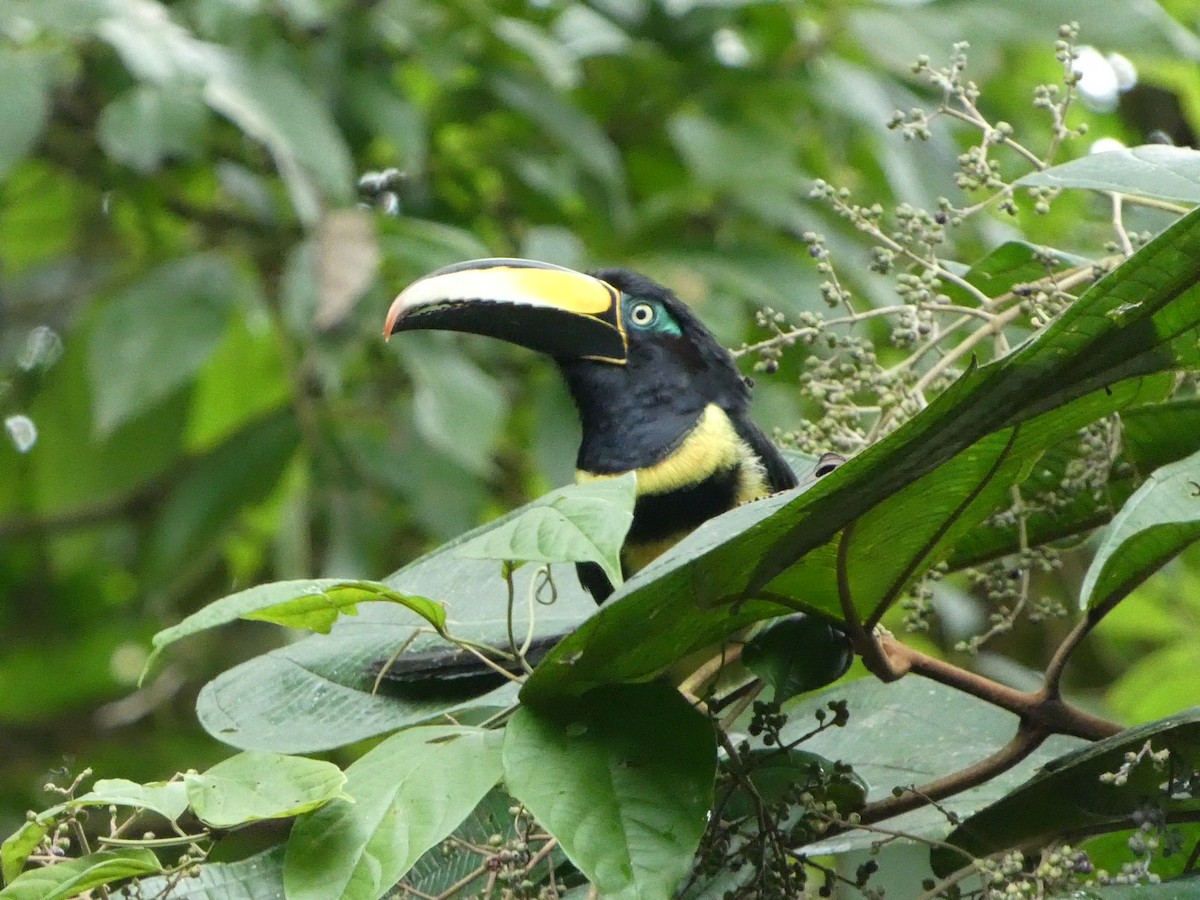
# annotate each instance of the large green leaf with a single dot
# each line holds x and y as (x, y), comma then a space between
(451, 863)
(254, 785)
(167, 322)
(148, 124)
(319, 693)
(403, 797)
(930, 481)
(258, 877)
(1155, 525)
(312, 604)
(457, 407)
(73, 877)
(586, 522)
(1078, 792)
(167, 798)
(269, 104)
(1152, 435)
(907, 734)
(1155, 170)
(623, 778)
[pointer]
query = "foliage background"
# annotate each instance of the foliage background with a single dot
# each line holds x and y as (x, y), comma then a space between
(190, 298)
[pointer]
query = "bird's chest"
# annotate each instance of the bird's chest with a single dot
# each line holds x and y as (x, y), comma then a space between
(709, 472)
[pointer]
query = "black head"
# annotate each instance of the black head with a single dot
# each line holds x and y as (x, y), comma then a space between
(640, 365)
(634, 414)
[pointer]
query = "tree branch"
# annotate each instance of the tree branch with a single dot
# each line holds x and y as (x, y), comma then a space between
(1025, 741)
(1043, 709)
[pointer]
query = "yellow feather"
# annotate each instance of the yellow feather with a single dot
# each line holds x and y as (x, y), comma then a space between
(712, 446)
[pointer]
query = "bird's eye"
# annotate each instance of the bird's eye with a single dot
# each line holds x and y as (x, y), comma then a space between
(642, 314)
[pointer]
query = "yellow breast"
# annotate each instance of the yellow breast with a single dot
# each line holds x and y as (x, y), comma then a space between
(712, 446)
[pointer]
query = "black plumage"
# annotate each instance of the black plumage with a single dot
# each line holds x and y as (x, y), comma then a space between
(638, 414)
(655, 391)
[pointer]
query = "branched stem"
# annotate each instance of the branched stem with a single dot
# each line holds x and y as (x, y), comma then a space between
(1041, 708)
(1023, 743)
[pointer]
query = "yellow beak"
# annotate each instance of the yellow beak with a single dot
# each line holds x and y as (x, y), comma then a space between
(546, 308)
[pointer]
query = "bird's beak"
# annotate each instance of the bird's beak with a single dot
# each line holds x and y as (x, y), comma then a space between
(546, 308)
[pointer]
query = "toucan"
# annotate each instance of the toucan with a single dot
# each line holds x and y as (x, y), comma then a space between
(656, 393)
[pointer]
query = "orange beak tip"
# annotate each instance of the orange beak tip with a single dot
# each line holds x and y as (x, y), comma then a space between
(389, 324)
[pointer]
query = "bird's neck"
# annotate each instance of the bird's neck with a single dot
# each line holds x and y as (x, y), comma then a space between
(711, 446)
(631, 416)
(711, 471)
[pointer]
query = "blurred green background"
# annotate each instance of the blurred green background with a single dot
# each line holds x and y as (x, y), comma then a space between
(196, 394)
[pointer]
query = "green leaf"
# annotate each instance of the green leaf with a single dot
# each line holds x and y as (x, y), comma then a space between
(405, 796)
(270, 105)
(255, 785)
(797, 655)
(24, 102)
(900, 505)
(1011, 264)
(1156, 524)
(577, 523)
(319, 693)
(1155, 170)
(149, 124)
(1161, 433)
(1069, 794)
(1152, 435)
(447, 865)
(569, 126)
(623, 778)
(168, 322)
(318, 612)
(167, 798)
(906, 734)
(75, 876)
(457, 407)
(313, 604)
(17, 846)
(776, 773)
(258, 877)
(154, 48)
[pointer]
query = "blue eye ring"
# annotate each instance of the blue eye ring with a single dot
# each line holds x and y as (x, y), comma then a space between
(642, 314)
